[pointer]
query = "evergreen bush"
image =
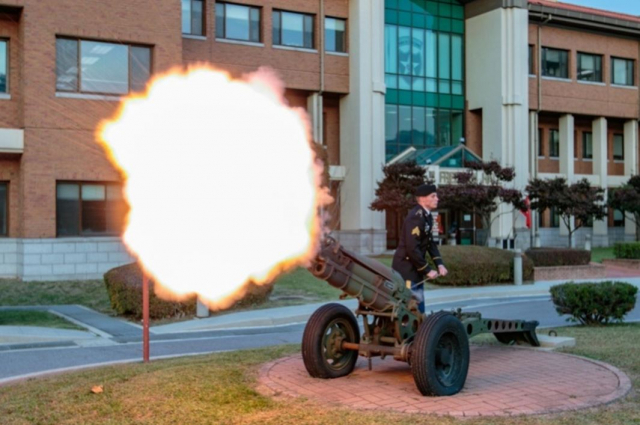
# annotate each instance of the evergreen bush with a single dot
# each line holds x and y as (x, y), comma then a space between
(627, 250)
(551, 257)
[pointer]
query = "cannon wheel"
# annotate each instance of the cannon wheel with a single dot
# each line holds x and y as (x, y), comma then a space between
(322, 351)
(440, 356)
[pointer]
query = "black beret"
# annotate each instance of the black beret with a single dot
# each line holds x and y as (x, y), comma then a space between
(425, 189)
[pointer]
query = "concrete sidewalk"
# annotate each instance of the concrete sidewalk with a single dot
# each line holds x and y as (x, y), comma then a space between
(108, 329)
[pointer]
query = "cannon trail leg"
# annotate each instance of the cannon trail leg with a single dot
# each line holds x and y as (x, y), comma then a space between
(322, 342)
(440, 355)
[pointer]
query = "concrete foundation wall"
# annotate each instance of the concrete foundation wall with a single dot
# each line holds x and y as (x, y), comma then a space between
(61, 259)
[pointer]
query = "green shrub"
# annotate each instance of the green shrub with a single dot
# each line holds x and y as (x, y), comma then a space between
(629, 250)
(470, 265)
(594, 303)
(550, 257)
(124, 286)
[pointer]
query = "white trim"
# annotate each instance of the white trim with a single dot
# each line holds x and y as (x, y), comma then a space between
(89, 96)
(344, 54)
(297, 49)
(194, 37)
(587, 159)
(592, 83)
(618, 161)
(533, 76)
(564, 80)
(244, 43)
(5, 96)
(619, 86)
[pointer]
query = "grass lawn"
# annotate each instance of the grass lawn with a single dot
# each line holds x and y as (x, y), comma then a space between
(602, 253)
(90, 293)
(220, 389)
(35, 318)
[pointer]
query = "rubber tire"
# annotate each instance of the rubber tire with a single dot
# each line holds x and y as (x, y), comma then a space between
(423, 356)
(312, 340)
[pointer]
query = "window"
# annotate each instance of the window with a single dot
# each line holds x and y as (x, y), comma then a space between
(532, 69)
(555, 217)
(618, 146)
(89, 209)
(236, 22)
(589, 67)
(587, 145)
(554, 143)
(540, 143)
(292, 29)
(622, 72)
(555, 63)
(193, 17)
(334, 35)
(4, 210)
(4, 68)
(84, 66)
(618, 218)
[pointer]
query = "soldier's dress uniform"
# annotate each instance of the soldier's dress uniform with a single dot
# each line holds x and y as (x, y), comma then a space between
(410, 258)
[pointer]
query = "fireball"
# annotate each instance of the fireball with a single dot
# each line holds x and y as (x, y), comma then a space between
(222, 183)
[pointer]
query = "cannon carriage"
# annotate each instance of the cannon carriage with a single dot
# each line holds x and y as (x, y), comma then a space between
(436, 345)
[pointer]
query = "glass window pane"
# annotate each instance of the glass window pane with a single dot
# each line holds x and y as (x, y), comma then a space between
(417, 52)
(432, 85)
(618, 146)
(391, 124)
(587, 145)
(432, 51)
(444, 87)
(443, 133)
(277, 19)
(4, 200)
(404, 82)
(219, 20)
(444, 58)
(554, 143)
(308, 32)
(456, 57)
(419, 127)
(404, 50)
(3, 66)
(404, 135)
(391, 48)
(66, 65)
(292, 29)
(418, 84)
(456, 87)
(140, 67)
(94, 219)
(431, 127)
(255, 25)
(555, 63)
(457, 120)
(105, 67)
(67, 209)
(116, 209)
(237, 22)
(197, 18)
(391, 81)
(186, 16)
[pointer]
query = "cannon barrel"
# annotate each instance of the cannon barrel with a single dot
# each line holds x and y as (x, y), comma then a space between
(375, 285)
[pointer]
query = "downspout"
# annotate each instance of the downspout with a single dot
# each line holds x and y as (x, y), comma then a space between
(320, 106)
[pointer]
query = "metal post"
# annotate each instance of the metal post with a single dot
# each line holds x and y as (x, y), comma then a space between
(587, 242)
(517, 268)
(537, 240)
(145, 318)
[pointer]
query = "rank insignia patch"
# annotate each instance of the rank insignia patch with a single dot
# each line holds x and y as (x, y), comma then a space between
(416, 231)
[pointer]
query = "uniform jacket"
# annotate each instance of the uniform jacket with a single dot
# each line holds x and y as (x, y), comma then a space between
(416, 240)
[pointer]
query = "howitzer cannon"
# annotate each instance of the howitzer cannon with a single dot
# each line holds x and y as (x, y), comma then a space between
(436, 346)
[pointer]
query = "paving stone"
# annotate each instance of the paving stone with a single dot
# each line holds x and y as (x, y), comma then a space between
(502, 381)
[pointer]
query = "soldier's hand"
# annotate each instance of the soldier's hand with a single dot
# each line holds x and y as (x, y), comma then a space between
(432, 274)
(442, 270)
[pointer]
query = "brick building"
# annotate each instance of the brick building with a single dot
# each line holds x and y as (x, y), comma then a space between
(545, 87)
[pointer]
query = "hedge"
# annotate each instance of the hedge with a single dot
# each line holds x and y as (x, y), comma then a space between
(551, 257)
(476, 265)
(124, 286)
(628, 250)
(594, 302)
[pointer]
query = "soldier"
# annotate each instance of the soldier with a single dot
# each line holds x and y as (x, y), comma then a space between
(416, 240)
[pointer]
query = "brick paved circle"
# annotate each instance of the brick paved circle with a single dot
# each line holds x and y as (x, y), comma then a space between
(502, 381)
